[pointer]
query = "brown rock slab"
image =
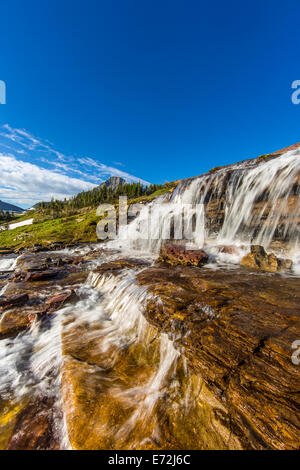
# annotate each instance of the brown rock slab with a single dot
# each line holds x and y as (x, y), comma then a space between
(13, 322)
(61, 298)
(116, 266)
(58, 300)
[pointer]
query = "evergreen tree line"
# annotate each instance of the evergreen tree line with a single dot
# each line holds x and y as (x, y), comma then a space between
(5, 216)
(97, 196)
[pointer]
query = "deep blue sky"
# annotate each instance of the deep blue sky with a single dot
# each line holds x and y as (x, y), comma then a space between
(158, 89)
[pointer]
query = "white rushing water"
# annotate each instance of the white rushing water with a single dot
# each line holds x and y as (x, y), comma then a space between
(8, 263)
(270, 183)
(30, 368)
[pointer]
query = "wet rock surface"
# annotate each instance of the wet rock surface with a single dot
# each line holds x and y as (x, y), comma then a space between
(30, 421)
(34, 428)
(235, 386)
(260, 260)
(236, 330)
(116, 266)
(38, 287)
(110, 396)
(175, 254)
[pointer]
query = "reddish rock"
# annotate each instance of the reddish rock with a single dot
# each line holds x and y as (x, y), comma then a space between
(32, 318)
(14, 321)
(179, 254)
(229, 249)
(12, 300)
(40, 276)
(61, 298)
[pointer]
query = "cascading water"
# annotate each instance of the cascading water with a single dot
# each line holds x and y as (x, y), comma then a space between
(255, 202)
(128, 366)
(7, 264)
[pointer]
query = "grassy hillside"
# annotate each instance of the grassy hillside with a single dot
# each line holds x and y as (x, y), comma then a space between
(75, 228)
(47, 228)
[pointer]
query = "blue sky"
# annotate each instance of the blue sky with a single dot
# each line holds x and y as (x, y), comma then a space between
(151, 90)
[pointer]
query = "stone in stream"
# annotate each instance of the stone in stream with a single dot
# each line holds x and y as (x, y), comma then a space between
(41, 276)
(179, 254)
(5, 251)
(15, 317)
(25, 302)
(12, 300)
(116, 266)
(14, 321)
(60, 299)
(260, 260)
(229, 249)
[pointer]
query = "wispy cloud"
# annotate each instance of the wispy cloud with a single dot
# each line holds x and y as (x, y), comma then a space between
(30, 142)
(32, 169)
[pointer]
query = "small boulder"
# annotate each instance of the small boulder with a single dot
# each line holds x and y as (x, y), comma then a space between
(40, 276)
(179, 254)
(58, 300)
(61, 298)
(260, 260)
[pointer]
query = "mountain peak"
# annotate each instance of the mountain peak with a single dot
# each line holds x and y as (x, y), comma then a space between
(113, 182)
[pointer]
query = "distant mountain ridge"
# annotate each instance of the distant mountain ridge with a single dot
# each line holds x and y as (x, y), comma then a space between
(5, 206)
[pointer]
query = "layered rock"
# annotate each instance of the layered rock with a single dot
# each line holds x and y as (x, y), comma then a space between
(29, 294)
(236, 331)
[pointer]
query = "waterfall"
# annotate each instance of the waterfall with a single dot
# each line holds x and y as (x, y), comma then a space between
(253, 202)
(274, 182)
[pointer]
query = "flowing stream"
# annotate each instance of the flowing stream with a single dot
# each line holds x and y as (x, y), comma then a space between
(138, 369)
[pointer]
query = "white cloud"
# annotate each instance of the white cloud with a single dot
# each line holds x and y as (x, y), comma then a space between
(29, 141)
(24, 182)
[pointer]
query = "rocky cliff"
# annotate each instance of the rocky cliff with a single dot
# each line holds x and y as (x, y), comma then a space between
(113, 183)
